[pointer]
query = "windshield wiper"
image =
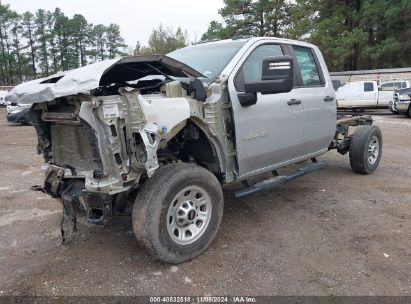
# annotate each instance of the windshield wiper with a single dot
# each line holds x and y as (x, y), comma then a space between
(158, 71)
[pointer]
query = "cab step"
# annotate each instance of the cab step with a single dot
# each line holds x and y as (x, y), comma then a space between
(279, 180)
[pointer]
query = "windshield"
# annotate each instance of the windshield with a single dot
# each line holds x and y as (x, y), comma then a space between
(210, 58)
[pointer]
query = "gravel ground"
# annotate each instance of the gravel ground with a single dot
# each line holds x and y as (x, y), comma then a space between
(329, 233)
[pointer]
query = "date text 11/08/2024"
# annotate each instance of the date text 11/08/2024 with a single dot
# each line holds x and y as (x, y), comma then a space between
(204, 299)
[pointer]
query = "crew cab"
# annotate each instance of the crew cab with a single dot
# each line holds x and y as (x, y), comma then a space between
(169, 132)
(368, 94)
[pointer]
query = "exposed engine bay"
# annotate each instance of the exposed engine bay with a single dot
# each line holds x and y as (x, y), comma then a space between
(101, 142)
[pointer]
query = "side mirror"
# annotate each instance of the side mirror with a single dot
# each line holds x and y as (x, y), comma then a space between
(247, 99)
(277, 76)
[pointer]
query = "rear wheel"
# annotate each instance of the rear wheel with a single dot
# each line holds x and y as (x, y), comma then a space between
(366, 149)
(177, 212)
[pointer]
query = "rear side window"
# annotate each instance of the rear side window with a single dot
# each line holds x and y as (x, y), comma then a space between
(392, 86)
(368, 86)
(308, 67)
(397, 85)
(387, 86)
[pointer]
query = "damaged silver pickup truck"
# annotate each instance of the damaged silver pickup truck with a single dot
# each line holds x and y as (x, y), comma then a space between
(169, 131)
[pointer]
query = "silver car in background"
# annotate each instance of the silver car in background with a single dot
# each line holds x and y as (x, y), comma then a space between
(16, 113)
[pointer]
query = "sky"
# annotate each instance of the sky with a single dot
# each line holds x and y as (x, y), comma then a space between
(136, 18)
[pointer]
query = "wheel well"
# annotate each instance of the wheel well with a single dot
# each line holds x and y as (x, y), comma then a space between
(191, 144)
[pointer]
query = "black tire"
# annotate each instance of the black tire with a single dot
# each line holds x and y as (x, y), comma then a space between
(150, 211)
(409, 111)
(359, 149)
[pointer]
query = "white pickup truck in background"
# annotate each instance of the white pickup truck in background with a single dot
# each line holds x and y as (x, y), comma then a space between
(368, 94)
(2, 98)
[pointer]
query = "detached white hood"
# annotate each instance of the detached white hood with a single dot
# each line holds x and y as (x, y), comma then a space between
(103, 73)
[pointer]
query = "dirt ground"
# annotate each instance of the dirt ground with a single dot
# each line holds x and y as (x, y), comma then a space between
(329, 233)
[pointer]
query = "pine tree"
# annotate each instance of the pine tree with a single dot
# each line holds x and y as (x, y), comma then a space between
(162, 41)
(81, 33)
(5, 23)
(16, 31)
(28, 33)
(251, 18)
(40, 44)
(114, 42)
(42, 37)
(99, 38)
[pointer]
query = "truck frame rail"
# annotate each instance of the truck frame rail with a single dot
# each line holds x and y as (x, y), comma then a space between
(342, 138)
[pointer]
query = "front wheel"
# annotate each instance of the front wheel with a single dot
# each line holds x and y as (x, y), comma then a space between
(366, 149)
(177, 212)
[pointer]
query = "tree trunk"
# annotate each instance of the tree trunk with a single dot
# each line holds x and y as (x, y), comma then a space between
(18, 56)
(44, 47)
(33, 55)
(3, 70)
(10, 68)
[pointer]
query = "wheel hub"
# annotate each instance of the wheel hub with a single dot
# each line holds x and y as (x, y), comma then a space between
(185, 213)
(188, 215)
(373, 150)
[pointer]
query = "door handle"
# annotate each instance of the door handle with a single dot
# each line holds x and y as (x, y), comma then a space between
(294, 102)
(328, 98)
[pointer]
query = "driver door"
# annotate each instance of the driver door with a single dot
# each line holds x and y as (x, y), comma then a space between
(269, 132)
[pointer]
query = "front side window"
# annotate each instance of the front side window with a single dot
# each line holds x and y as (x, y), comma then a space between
(308, 67)
(368, 87)
(252, 68)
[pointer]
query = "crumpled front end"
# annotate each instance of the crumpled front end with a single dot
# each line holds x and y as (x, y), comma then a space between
(98, 135)
(104, 129)
(97, 148)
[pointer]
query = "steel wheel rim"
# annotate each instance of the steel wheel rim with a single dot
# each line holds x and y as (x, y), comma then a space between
(373, 150)
(188, 215)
